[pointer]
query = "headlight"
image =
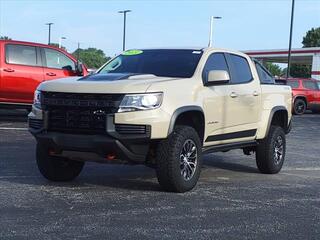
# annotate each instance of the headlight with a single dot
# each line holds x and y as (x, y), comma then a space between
(136, 102)
(37, 99)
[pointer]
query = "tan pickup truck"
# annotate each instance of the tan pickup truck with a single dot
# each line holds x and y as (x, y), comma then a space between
(164, 108)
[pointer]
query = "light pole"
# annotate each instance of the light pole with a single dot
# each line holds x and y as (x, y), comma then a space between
(211, 29)
(60, 41)
(49, 37)
(124, 27)
(290, 39)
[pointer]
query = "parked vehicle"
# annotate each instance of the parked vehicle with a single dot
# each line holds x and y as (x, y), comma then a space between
(24, 65)
(306, 95)
(162, 108)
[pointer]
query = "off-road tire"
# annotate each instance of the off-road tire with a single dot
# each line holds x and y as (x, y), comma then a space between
(168, 166)
(299, 107)
(266, 151)
(55, 168)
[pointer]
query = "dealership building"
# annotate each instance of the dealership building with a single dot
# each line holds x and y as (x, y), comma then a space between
(306, 56)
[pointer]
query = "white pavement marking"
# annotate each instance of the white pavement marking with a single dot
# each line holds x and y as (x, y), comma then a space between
(13, 128)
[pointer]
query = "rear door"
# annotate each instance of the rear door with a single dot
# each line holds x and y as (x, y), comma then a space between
(312, 93)
(243, 100)
(21, 73)
(57, 64)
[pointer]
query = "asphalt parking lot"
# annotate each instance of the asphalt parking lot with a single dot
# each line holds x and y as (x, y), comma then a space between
(231, 201)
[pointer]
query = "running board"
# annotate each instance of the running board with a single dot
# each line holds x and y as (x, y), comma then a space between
(229, 146)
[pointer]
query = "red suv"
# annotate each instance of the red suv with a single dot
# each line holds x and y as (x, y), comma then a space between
(24, 65)
(306, 95)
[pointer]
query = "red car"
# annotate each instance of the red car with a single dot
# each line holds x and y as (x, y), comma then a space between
(24, 65)
(306, 95)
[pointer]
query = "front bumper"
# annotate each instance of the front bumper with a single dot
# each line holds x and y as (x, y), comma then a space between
(121, 141)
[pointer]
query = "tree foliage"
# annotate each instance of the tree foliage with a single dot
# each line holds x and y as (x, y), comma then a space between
(5, 38)
(274, 69)
(300, 71)
(91, 57)
(312, 38)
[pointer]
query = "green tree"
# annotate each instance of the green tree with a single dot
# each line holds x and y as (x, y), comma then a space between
(91, 57)
(4, 38)
(57, 45)
(274, 69)
(312, 38)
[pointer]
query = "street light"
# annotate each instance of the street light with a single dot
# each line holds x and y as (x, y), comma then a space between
(60, 41)
(211, 29)
(290, 39)
(49, 24)
(124, 27)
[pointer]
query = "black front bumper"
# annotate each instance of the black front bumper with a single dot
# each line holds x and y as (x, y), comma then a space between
(124, 142)
(133, 150)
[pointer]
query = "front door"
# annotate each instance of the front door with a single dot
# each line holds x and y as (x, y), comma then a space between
(57, 64)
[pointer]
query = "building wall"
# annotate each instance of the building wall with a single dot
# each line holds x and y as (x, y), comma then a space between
(315, 72)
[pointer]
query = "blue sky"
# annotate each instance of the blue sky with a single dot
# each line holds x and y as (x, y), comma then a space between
(246, 24)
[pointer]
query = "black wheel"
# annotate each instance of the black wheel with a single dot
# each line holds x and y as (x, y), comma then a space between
(56, 168)
(270, 152)
(178, 160)
(299, 107)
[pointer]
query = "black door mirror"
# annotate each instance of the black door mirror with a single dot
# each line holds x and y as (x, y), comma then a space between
(79, 69)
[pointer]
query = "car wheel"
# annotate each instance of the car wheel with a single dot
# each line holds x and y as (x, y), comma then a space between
(56, 168)
(270, 152)
(300, 107)
(178, 160)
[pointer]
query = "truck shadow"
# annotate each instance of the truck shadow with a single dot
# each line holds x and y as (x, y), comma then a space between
(10, 115)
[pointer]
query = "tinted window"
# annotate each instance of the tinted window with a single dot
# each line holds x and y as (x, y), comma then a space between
(240, 70)
(19, 54)
(264, 76)
(216, 61)
(293, 83)
(56, 59)
(309, 85)
(167, 63)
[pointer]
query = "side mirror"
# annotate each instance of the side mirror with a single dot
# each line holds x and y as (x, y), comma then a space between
(218, 77)
(79, 69)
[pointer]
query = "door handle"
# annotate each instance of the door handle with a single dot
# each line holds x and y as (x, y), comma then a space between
(8, 70)
(233, 95)
(255, 93)
(51, 74)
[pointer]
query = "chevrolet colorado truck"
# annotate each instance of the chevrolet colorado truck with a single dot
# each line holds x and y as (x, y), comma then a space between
(164, 108)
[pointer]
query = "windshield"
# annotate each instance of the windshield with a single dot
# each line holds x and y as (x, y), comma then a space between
(164, 63)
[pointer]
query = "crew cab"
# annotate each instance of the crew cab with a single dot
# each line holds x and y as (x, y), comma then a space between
(306, 95)
(24, 65)
(164, 108)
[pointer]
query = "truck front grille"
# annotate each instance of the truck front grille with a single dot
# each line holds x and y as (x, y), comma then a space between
(79, 112)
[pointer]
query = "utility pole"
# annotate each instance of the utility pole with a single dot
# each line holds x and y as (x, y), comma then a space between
(211, 30)
(290, 39)
(124, 28)
(49, 37)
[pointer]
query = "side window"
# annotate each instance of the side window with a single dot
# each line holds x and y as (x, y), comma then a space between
(264, 76)
(21, 54)
(56, 59)
(309, 85)
(293, 83)
(216, 61)
(240, 69)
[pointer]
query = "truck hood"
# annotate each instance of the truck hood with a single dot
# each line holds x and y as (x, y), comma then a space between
(103, 83)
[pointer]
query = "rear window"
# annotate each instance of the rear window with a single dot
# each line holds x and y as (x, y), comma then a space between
(310, 85)
(293, 83)
(264, 75)
(20, 54)
(240, 69)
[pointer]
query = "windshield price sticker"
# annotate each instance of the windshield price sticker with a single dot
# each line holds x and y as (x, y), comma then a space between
(132, 52)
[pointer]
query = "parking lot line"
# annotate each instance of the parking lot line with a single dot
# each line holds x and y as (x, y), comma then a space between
(13, 128)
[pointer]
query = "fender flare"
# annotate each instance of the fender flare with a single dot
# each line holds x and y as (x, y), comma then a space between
(272, 112)
(179, 111)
